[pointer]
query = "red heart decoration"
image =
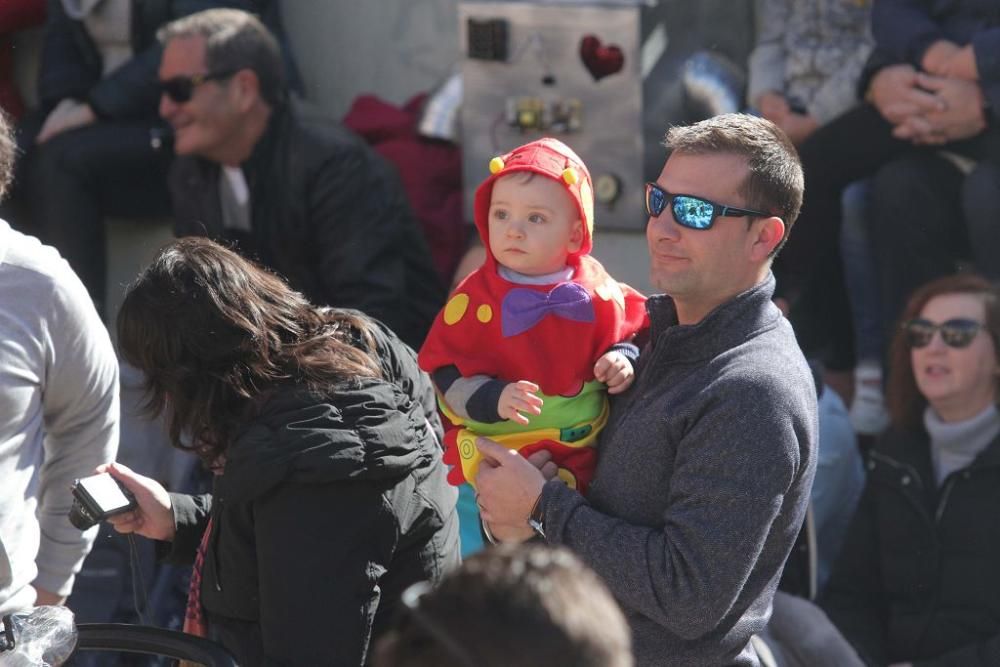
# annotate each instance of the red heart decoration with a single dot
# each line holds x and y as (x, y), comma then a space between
(600, 60)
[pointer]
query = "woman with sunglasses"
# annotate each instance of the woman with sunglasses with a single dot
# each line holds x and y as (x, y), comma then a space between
(918, 579)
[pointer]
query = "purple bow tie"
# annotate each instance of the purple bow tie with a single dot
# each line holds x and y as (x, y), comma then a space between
(523, 308)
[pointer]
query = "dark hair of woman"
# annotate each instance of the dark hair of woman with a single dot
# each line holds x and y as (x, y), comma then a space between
(906, 403)
(214, 334)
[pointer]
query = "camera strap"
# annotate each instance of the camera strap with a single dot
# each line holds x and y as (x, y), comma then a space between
(138, 581)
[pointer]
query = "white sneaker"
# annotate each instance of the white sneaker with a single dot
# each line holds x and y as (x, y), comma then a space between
(868, 414)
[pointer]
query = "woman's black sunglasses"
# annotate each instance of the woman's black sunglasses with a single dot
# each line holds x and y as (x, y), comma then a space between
(956, 333)
(690, 211)
(181, 88)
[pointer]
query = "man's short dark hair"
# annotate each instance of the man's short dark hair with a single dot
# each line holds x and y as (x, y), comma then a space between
(529, 605)
(8, 150)
(774, 180)
(235, 40)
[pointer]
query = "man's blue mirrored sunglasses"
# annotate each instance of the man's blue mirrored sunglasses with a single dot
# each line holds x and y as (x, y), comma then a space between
(690, 211)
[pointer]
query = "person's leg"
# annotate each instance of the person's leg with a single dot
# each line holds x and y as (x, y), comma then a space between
(981, 205)
(917, 229)
(868, 413)
(77, 178)
(848, 148)
(809, 271)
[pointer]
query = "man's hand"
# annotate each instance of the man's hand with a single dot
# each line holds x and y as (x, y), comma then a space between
(938, 55)
(895, 92)
(517, 398)
(153, 516)
(508, 486)
(43, 597)
(962, 117)
(614, 370)
(67, 115)
(947, 59)
(962, 65)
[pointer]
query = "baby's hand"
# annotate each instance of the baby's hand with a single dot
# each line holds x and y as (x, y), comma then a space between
(614, 370)
(518, 397)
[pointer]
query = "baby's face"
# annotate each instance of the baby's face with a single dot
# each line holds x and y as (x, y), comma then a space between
(534, 224)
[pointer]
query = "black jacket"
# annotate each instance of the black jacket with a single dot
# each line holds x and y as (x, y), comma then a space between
(71, 64)
(327, 510)
(329, 215)
(919, 575)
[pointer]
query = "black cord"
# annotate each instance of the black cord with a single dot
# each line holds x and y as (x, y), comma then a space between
(138, 581)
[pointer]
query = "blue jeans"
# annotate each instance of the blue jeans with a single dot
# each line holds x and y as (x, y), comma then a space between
(860, 276)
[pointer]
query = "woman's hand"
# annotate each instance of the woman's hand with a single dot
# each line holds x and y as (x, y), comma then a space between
(153, 516)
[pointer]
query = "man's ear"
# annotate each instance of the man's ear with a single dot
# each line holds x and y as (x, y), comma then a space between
(576, 237)
(766, 237)
(247, 87)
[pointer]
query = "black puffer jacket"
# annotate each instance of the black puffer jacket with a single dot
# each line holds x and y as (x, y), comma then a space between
(327, 510)
(919, 575)
(329, 215)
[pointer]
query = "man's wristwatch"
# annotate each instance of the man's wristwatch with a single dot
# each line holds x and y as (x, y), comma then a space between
(537, 517)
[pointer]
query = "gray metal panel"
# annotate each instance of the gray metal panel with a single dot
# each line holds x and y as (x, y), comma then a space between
(545, 40)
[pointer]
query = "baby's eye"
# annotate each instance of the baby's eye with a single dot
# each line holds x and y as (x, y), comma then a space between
(537, 218)
(500, 214)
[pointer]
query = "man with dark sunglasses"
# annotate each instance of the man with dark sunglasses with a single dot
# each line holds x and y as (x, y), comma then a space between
(705, 466)
(302, 195)
(95, 147)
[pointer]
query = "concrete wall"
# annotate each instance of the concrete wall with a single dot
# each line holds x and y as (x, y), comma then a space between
(395, 49)
(392, 48)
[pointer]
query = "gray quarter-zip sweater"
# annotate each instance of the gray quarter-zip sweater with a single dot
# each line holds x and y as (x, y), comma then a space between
(702, 482)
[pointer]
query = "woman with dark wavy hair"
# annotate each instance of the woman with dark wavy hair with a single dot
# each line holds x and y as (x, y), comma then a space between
(330, 495)
(918, 579)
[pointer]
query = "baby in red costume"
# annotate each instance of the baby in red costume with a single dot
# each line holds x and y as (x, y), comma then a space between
(530, 344)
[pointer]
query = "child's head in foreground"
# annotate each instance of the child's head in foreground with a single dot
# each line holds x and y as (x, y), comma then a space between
(535, 212)
(527, 604)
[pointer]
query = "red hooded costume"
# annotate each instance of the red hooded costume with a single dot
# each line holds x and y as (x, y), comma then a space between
(551, 335)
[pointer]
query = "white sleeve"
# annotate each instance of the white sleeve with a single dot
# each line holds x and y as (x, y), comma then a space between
(80, 403)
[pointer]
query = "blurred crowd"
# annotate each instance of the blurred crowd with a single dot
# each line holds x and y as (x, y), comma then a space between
(313, 257)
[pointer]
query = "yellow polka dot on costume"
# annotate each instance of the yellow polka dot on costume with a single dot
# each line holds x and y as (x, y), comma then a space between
(570, 176)
(484, 313)
(568, 477)
(455, 310)
(496, 164)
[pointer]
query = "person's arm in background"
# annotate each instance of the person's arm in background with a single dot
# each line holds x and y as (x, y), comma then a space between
(766, 63)
(64, 70)
(904, 29)
(80, 408)
(854, 598)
